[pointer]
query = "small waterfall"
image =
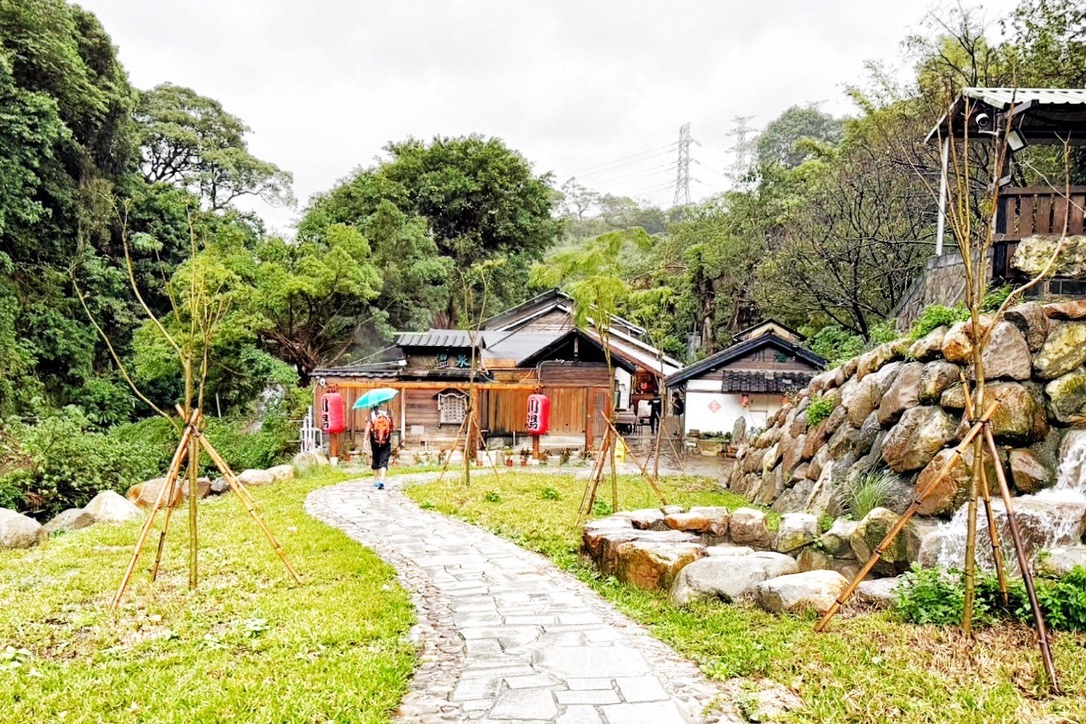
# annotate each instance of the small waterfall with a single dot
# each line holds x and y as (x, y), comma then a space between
(1052, 517)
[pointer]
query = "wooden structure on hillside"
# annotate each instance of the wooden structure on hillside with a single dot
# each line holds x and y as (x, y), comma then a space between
(749, 379)
(531, 347)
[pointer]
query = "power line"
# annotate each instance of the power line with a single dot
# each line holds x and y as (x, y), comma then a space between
(638, 174)
(630, 160)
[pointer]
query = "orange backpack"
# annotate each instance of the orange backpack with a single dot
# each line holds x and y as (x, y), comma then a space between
(381, 428)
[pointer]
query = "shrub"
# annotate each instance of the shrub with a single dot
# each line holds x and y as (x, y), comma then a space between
(995, 298)
(930, 595)
(819, 410)
(1063, 602)
(602, 507)
(935, 316)
(872, 490)
(494, 496)
(550, 494)
(835, 344)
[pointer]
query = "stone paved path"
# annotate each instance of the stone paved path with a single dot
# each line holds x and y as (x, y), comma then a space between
(506, 636)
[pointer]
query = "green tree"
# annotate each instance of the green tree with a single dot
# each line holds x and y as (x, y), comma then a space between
(787, 140)
(479, 200)
(190, 141)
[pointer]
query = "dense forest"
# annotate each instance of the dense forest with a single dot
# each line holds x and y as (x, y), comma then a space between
(106, 188)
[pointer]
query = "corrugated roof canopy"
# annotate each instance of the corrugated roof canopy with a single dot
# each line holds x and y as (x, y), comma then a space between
(439, 338)
(1041, 115)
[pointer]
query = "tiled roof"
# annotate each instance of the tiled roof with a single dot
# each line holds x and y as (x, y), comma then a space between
(765, 381)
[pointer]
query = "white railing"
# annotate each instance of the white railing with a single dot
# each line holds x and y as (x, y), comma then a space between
(311, 436)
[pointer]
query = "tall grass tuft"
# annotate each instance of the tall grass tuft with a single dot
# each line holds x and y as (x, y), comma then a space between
(872, 490)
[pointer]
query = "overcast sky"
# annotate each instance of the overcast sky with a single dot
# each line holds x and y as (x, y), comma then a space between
(596, 90)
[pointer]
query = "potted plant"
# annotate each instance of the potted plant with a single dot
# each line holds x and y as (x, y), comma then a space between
(525, 453)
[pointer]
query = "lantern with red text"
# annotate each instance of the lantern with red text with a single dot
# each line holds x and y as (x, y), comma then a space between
(539, 414)
(333, 413)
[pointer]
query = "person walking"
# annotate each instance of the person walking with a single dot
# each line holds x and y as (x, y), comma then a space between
(378, 434)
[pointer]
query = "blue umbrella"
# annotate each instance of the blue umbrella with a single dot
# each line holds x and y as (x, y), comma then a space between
(375, 397)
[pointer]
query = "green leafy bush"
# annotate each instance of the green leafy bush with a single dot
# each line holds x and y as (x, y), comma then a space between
(835, 344)
(930, 595)
(995, 298)
(819, 410)
(602, 507)
(935, 316)
(872, 490)
(1063, 601)
(550, 494)
(494, 496)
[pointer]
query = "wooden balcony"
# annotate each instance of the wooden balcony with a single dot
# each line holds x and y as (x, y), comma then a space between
(1024, 212)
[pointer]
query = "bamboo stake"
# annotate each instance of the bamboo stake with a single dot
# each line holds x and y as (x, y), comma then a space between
(993, 532)
(456, 443)
(162, 534)
(594, 480)
(969, 571)
(1023, 563)
(642, 468)
(194, 460)
(903, 520)
(246, 499)
(174, 471)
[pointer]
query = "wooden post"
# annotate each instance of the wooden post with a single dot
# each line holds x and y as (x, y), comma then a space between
(1023, 563)
(535, 446)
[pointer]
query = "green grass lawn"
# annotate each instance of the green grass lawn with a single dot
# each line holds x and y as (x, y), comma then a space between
(248, 645)
(870, 667)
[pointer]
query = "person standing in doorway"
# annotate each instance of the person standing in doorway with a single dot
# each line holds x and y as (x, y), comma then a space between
(379, 435)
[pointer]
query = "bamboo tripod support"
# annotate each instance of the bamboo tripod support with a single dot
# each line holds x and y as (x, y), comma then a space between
(588, 500)
(191, 441)
(980, 430)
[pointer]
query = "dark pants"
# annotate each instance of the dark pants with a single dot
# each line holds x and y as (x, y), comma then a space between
(381, 452)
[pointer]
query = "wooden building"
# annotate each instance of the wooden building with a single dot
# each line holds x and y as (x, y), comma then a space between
(749, 379)
(532, 347)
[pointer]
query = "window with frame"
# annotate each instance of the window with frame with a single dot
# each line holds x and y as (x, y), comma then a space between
(452, 408)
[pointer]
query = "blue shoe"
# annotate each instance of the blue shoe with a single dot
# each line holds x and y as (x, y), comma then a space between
(380, 486)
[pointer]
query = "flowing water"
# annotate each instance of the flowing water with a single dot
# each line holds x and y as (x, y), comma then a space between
(1052, 517)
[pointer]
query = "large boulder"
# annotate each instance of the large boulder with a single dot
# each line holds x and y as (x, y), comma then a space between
(958, 344)
(936, 378)
(861, 399)
(1031, 321)
(146, 493)
(70, 519)
(870, 532)
(917, 437)
(282, 472)
(1033, 255)
(837, 541)
(109, 507)
(595, 531)
(254, 477)
(308, 460)
(1019, 417)
(728, 577)
(1067, 397)
(1007, 356)
(877, 592)
(749, 527)
(18, 530)
(701, 519)
(951, 490)
(1063, 350)
(203, 487)
(798, 592)
(645, 518)
(1028, 473)
(903, 394)
(929, 346)
(796, 530)
(1073, 309)
(651, 565)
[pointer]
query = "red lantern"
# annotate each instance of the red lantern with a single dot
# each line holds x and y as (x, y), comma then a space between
(333, 412)
(539, 414)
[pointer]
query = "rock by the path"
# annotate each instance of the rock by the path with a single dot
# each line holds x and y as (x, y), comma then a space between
(928, 346)
(812, 559)
(877, 592)
(304, 461)
(645, 518)
(18, 530)
(749, 527)
(70, 519)
(796, 530)
(813, 590)
(728, 578)
(728, 549)
(282, 472)
(144, 495)
(219, 486)
(253, 477)
(109, 507)
(710, 520)
(1060, 560)
(651, 565)
(203, 488)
